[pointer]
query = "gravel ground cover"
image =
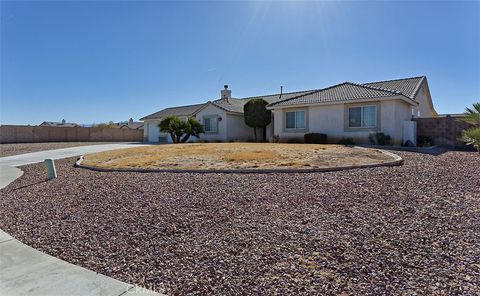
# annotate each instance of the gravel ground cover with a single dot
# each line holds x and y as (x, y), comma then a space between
(411, 229)
(21, 148)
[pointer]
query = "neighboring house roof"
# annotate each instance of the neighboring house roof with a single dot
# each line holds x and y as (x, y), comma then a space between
(188, 110)
(134, 125)
(58, 124)
(349, 91)
(407, 86)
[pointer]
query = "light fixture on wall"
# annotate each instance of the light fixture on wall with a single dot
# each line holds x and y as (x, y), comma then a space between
(219, 118)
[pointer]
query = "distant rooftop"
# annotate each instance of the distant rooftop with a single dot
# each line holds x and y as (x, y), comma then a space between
(62, 123)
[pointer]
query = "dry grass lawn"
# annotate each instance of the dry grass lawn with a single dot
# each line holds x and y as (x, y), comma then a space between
(235, 156)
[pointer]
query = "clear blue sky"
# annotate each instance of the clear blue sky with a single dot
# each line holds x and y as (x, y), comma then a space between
(111, 60)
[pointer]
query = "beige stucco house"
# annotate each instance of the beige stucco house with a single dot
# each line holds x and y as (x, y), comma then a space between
(345, 110)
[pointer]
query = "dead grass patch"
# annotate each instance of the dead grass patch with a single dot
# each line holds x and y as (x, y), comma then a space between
(235, 156)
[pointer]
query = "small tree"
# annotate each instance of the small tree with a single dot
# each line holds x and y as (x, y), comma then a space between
(178, 128)
(192, 128)
(110, 124)
(257, 116)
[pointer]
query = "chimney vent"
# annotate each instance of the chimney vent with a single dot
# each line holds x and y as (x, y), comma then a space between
(63, 121)
(226, 94)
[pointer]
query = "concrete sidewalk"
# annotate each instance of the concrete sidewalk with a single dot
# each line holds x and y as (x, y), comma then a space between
(26, 271)
(8, 174)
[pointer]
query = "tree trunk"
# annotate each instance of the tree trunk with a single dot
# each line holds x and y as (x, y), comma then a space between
(264, 134)
(185, 138)
(255, 133)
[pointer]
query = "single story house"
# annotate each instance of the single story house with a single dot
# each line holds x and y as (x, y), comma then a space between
(62, 123)
(130, 124)
(345, 110)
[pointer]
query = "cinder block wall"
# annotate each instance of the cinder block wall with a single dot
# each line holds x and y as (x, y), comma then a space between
(445, 131)
(35, 134)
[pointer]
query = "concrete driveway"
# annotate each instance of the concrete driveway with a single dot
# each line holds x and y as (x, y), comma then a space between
(28, 158)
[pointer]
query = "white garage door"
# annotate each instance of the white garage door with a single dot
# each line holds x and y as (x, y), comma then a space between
(153, 133)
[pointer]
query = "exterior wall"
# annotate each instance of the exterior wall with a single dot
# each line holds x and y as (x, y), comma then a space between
(444, 131)
(221, 134)
(425, 107)
(35, 134)
(230, 127)
(237, 129)
(331, 120)
(393, 114)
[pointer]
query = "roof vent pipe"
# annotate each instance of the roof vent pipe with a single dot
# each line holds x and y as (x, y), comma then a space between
(281, 91)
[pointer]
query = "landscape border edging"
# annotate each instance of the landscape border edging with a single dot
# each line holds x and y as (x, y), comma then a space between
(397, 161)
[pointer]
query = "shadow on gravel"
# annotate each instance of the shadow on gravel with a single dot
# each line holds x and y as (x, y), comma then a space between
(28, 185)
(434, 150)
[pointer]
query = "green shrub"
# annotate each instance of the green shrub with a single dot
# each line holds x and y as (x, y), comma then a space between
(424, 141)
(346, 141)
(379, 138)
(202, 141)
(471, 136)
(315, 138)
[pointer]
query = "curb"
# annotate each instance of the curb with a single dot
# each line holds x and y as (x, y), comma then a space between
(397, 160)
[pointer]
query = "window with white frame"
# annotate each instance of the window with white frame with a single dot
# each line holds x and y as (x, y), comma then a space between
(362, 116)
(295, 119)
(210, 124)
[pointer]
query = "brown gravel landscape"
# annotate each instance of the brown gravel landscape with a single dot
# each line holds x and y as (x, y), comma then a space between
(411, 229)
(20, 148)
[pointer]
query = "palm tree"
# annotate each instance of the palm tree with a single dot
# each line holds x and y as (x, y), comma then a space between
(471, 136)
(473, 114)
(178, 128)
(192, 128)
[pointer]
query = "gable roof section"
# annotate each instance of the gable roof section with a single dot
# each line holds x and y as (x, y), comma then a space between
(340, 92)
(407, 86)
(188, 110)
(230, 105)
(347, 91)
(277, 97)
(234, 105)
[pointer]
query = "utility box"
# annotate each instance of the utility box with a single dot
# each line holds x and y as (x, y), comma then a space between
(409, 132)
(50, 169)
